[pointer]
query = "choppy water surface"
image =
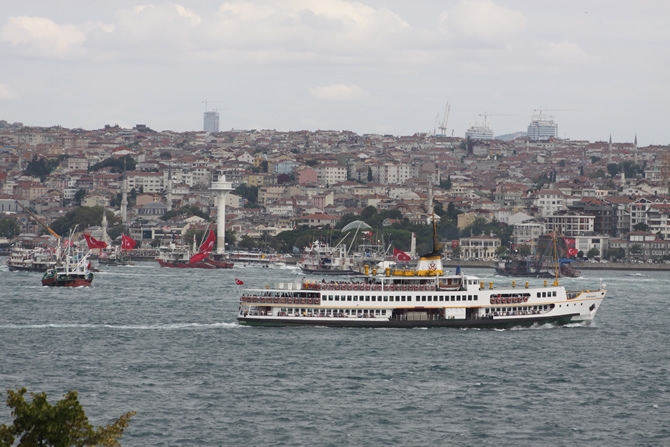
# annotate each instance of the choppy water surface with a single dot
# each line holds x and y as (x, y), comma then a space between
(165, 343)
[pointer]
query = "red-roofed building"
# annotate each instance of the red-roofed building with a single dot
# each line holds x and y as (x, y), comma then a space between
(318, 220)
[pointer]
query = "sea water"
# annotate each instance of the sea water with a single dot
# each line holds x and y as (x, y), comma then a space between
(165, 343)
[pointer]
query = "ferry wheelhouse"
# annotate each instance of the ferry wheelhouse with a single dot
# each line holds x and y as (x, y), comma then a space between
(424, 297)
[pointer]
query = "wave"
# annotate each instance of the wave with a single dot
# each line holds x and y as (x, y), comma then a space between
(168, 326)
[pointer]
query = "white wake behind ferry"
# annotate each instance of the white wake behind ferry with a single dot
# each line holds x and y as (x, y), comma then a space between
(423, 297)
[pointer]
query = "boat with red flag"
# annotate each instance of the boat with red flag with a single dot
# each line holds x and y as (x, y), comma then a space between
(118, 254)
(73, 267)
(181, 256)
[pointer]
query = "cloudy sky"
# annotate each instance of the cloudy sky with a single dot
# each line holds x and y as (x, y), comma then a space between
(600, 67)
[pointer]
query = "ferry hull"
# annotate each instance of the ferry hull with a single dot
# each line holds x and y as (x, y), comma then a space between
(486, 323)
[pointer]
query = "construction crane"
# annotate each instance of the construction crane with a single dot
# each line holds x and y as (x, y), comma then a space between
(208, 102)
(445, 120)
(52, 232)
(486, 115)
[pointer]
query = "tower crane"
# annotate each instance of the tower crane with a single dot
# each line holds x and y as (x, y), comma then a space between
(443, 125)
(208, 102)
(486, 115)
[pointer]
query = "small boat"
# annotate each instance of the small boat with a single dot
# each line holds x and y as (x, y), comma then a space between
(72, 269)
(322, 259)
(255, 259)
(181, 256)
(36, 259)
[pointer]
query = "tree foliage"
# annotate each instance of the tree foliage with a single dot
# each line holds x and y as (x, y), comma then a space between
(185, 211)
(40, 167)
(250, 193)
(83, 217)
(79, 196)
(9, 228)
(117, 164)
(641, 226)
(38, 423)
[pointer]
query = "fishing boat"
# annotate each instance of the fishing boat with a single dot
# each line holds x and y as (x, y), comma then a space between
(426, 296)
(72, 269)
(181, 256)
(554, 260)
(320, 258)
(118, 254)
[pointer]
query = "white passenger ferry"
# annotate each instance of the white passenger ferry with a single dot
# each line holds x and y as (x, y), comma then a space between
(424, 297)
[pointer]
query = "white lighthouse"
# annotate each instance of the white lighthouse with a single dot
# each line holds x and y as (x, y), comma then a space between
(221, 187)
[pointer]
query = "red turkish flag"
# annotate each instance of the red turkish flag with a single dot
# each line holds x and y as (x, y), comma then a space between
(239, 282)
(401, 256)
(94, 243)
(127, 243)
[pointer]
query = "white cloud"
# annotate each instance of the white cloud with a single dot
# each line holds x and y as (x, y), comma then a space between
(338, 92)
(43, 37)
(565, 53)
(6, 93)
(481, 22)
(327, 28)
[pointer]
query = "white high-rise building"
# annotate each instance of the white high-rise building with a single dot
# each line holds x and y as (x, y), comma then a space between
(542, 127)
(478, 132)
(211, 121)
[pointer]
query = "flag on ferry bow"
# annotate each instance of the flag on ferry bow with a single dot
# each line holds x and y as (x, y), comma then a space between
(208, 244)
(401, 256)
(127, 243)
(239, 282)
(93, 242)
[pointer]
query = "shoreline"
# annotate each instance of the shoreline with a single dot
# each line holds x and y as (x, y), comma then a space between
(578, 265)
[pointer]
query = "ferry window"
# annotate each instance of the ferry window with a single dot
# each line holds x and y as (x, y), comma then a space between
(544, 294)
(356, 298)
(397, 298)
(430, 298)
(374, 298)
(402, 298)
(538, 294)
(348, 298)
(386, 298)
(476, 297)
(469, 297)
(330, 297)
(383, 311)
(453, 297)
(458, 297)
(553, 293)
(423, 298)
(367, 298)
(441, 297)
(377, 312)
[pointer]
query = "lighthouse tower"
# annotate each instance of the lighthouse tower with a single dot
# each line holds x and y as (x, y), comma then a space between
(221, 187)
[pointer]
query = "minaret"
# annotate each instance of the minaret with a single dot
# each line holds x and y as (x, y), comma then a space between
(430, 200)
(168, 193)
(124, 196)
(104, 227)
(610, 150)
(221, 188)
(635, 148)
